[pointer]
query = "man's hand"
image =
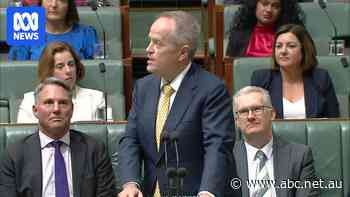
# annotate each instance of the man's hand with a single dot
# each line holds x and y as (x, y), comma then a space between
(130, 190)
(205, 194)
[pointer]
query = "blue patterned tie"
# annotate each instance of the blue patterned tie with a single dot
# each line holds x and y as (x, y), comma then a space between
(61, 183)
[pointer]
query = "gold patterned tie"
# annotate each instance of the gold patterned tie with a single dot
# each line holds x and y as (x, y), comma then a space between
(162, 114)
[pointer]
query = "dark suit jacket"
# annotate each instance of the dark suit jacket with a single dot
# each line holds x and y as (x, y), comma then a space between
(320, 98)
(202, 115)
(238, 43)
(290, 161)
(21, 172)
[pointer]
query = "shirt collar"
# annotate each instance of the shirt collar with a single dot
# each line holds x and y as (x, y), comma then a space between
(251, 150)
(176, 82)
(45, 140)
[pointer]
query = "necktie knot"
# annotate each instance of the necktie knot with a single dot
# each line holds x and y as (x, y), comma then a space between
(168, 90)
(56, 143)
(260, 155)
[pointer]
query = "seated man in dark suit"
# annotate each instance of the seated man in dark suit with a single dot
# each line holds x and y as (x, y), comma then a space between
(181, 99)
(264, 156)
(56, 161)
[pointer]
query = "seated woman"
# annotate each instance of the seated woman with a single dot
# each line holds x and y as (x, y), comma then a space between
(59, 60)
(62, 24)
(253, 27)
(297, 87)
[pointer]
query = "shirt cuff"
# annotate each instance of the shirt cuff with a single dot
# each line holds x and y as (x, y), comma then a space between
(206, 192)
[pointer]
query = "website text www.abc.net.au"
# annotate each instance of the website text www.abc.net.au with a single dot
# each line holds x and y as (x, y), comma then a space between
(236, 183)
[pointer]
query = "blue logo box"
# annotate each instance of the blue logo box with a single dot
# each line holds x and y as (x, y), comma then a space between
(25, 26)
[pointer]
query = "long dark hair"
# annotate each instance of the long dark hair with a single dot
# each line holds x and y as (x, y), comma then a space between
(245, 17)
(72, 16)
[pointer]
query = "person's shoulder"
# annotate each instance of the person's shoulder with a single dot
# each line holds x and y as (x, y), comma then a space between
(85, 138)
(294, 147)
(29, 94)
(204, 77)
(83, 27)
(84, 91)
(263, 77)
(28, 97)
(319, 73)
(147, 80)
(320, 77)
(20, 145)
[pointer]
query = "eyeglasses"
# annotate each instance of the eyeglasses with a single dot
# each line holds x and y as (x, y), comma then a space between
(257, 110)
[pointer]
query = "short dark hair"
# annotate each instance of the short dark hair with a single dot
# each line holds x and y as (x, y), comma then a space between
(52, 81)
(308, 49)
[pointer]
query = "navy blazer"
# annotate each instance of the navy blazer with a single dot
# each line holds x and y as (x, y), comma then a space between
(320, 98)
(290, 161)
(202, 116)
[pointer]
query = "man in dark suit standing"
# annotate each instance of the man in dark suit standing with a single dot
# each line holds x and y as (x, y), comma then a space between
(56, 161)
(181, 99)
(264, 156)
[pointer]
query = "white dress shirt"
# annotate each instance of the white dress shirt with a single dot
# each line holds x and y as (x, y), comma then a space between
(48, 164)
(175, 84)
(294, 110)
(87, 103)
(253, 164)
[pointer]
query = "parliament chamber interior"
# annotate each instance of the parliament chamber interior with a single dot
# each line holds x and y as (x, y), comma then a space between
(122, 28)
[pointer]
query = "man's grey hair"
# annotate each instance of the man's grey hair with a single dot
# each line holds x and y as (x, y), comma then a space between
(252, 89)
(52, 81)
(187, 29)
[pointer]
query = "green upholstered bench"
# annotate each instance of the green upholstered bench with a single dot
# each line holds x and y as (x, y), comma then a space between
(328, 138)
(319, 26)
(330, 144)
(244, 67)
(11, 92)
(110, 18)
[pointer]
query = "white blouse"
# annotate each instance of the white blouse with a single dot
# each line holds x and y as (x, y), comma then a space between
(294, 110)
(87, 105)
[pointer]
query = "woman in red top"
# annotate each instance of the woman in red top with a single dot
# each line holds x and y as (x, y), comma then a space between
(254, 25)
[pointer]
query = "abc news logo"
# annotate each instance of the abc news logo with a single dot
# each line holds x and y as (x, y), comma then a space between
(25, 25)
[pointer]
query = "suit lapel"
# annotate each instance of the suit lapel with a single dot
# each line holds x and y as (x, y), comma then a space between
(281, 161)
(242, 166)
(311, 100)
(34, 162)
(78, 160)
(182, 99)
(181, 103)
(277, 93)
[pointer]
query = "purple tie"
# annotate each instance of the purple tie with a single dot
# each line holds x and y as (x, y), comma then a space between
(61, 183)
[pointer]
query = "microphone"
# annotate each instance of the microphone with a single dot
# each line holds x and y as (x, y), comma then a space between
(165, 137)
(172, 180)
(170, 172)
(181, 173)
(102, 68)
(344, 62)
(323, 6)
(94, 5)
(174, 137)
